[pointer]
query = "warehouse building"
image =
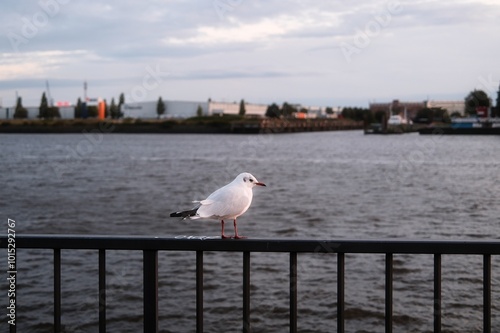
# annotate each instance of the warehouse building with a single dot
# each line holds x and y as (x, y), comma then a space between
(186, 109)
(173, 109)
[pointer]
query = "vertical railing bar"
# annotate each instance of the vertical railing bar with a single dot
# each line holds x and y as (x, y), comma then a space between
(199, 291)
(57, 290)
(388, 291)
(150, 281)
(293, 292)
(437, 293)
(102, 291)
(340, 292)
(487, 293)
(247, 327)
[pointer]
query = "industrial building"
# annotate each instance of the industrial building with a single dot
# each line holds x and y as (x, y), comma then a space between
(173, 109)
(186, 109)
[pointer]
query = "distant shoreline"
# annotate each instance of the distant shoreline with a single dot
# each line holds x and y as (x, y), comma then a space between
(202, 125)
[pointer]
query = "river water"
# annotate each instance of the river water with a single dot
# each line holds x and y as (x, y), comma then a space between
(322, 185)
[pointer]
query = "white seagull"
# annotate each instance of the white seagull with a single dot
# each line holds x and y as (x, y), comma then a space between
(228, 202)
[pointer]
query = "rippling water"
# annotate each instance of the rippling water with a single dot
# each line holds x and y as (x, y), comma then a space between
(320, 185)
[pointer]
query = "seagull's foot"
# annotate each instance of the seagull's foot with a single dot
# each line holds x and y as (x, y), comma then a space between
(225, 237)
(239, 237)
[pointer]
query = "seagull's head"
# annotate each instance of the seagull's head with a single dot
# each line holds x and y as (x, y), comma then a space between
(247, 179)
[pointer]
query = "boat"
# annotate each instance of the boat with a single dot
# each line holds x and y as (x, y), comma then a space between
(398, 120)
(463, 126)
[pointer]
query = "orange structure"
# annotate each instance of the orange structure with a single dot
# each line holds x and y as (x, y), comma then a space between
(101, 110)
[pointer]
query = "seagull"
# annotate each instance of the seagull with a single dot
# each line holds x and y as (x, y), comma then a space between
(227, 203)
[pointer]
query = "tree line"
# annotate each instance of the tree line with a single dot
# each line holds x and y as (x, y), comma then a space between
(82, 110)
(474, 101)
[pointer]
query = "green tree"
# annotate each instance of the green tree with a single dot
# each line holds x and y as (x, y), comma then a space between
(199, 111)
(475, 99)
(78, 108)
(429, 115)
(44, 107)
(425, 115)
(106, 109)
(379, 116)
(113, 109)
(288, 110)
(369, 117)
(441, 115)
(160, 107)
(242, 108)
(121, 101)
(273, 111)
(20, 112)
(355, 113)
(53, 112)
(46, 111)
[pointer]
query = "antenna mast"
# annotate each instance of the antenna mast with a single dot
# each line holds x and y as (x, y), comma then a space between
(49, 98)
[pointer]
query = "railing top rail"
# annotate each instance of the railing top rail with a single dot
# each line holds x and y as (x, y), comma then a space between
(212, 243)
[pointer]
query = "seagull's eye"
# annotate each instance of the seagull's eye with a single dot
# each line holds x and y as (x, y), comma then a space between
(251, 180)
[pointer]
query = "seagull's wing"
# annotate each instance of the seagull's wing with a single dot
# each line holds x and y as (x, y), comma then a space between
(226, 202)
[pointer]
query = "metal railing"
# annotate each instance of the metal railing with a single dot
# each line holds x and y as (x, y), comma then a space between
(151, 245)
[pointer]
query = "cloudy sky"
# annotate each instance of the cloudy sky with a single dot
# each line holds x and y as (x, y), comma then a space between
(330, 53)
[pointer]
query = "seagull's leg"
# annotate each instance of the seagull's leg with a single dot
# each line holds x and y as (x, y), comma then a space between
(236, 236)
(222, 233)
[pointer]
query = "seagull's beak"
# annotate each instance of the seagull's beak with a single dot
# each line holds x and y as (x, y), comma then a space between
(260, 184)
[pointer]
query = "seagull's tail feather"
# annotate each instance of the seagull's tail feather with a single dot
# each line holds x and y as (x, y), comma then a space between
(185, 214)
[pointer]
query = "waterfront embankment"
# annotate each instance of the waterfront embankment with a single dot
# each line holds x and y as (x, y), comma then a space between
(226, 124)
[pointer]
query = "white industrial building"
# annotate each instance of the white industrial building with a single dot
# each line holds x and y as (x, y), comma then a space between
(186, 109)
(173, 109)
(67, 112)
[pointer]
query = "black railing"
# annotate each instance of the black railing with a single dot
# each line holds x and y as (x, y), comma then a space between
(151, 245)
